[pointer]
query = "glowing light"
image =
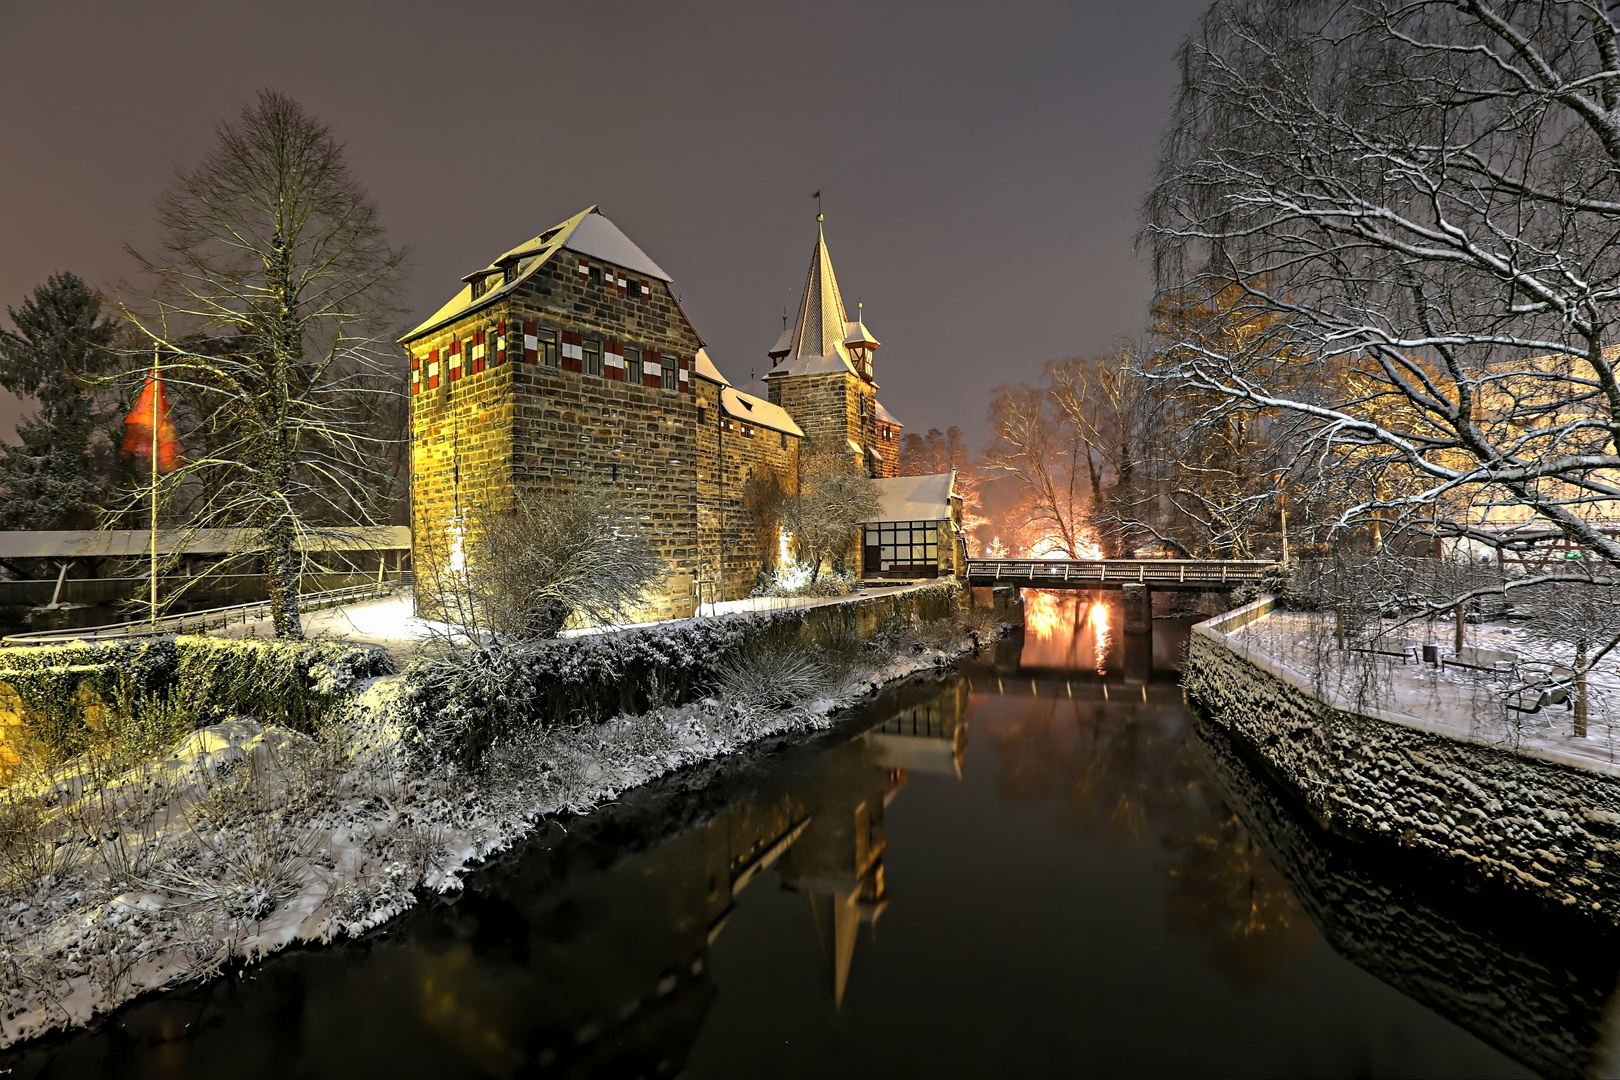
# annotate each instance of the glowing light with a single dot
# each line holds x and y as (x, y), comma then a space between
(458, 554)
(1041, 615)
(1051, 546)
(1102, 634)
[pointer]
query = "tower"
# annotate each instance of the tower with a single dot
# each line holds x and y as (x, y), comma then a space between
(823, 372)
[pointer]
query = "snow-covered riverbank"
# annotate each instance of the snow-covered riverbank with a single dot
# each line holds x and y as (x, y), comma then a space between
(246, 839)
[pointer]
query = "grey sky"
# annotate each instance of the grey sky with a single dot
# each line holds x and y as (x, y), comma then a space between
(981, 164)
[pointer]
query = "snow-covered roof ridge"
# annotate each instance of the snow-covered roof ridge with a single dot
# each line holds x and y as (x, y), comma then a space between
(587, 233)
(885, 415)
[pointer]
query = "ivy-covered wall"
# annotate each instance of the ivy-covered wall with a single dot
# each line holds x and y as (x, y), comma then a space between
(59, 694)
(592, 678)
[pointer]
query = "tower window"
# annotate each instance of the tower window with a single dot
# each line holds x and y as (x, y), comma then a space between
(669, 374)
(593, 353)
(632, 365)
(596, 275)
(546, 346)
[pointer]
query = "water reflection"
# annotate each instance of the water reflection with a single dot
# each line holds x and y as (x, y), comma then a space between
(1071, 873)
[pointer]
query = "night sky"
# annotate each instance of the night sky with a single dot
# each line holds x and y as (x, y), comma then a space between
(981, 165)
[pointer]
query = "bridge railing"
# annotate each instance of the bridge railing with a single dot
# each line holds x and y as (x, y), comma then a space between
(1120, 571)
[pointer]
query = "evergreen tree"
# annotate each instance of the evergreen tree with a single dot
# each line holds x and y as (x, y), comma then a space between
(66, 468)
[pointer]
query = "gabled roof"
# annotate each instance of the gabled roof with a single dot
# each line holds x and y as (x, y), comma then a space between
(704, 368)
(816, 343)
(587, 233)
(753, 410)
(915, 498)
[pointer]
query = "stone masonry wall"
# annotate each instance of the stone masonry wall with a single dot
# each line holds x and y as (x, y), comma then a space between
(534, 426)
(829, 408)
(1496, 814)
(732, 550)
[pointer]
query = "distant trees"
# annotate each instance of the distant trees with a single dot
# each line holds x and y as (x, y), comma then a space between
(271, 303)
(933, 453)
(65, 471)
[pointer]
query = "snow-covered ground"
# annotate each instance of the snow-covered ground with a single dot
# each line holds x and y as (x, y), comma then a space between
(1454, 700)
(247, 839)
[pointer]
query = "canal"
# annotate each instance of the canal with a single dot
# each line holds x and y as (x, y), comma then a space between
(1043, 864)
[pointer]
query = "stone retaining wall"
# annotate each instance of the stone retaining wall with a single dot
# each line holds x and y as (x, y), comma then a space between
(1498, 815)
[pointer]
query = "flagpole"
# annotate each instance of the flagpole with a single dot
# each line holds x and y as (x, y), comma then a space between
(156, 389)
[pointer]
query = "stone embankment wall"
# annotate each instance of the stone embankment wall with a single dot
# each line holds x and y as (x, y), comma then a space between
(1498, 814)
(1536, 989)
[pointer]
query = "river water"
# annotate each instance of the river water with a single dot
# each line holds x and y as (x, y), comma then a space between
(1044, 864)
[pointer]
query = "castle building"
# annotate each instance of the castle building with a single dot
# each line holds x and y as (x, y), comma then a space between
(823, 374)
(568, 360)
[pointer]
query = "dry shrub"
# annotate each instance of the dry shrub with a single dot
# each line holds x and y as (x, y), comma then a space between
(771, 676)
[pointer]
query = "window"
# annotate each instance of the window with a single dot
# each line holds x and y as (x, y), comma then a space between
(635, 290)
(477, 288)
(546, 348)
(596, 275)
(669, 373)
(510, 274)
(784, 439)
(593, 353)
(632, 365)
(703, 415)
(902, 545)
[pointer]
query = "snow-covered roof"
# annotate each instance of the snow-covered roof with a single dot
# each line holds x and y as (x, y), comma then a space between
(858, 334)
(915, 498)
(122, 543)
(758, 411)
(587, 233)
(886, 416)
(816, 343)
(783, 344)
(704, 368)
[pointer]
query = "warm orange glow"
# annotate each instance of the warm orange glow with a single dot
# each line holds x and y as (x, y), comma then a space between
(1102, 637)
(1066, 630)
(1051, 546)
(1041, 615)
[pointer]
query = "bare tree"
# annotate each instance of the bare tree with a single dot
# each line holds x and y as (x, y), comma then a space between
(509, 575)
(835, 497)
(1412, 207)
(273, 287)
(1035, 445)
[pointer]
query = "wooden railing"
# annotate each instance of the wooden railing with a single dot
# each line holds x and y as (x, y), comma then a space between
(1075, 573)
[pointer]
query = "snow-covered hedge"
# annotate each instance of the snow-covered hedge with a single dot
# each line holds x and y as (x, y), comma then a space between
(460, 709)
(295, 684)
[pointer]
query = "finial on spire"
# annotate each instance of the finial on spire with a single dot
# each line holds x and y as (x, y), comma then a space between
(817, 197)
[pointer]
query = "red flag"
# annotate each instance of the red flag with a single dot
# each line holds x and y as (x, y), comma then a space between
(138, 428)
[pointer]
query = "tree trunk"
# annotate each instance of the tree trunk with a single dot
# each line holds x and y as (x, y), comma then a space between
(281, 575)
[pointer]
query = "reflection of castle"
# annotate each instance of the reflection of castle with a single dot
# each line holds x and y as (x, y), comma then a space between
(612, 965)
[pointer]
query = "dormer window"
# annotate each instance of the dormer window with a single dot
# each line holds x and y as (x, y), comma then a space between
(509, 275)
(477, 288)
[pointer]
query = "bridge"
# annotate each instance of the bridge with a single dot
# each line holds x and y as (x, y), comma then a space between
(1200, 575)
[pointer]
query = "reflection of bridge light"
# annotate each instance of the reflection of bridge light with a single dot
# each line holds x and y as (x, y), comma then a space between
(1041, 614)
(1103, 638)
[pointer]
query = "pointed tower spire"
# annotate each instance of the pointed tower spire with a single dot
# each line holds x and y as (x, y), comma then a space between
(820, 328)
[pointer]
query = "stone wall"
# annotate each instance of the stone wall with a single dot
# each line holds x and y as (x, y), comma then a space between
(829, 408)
(526, 424)
(1495, 814)
(732, 548)
(1536, 988)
